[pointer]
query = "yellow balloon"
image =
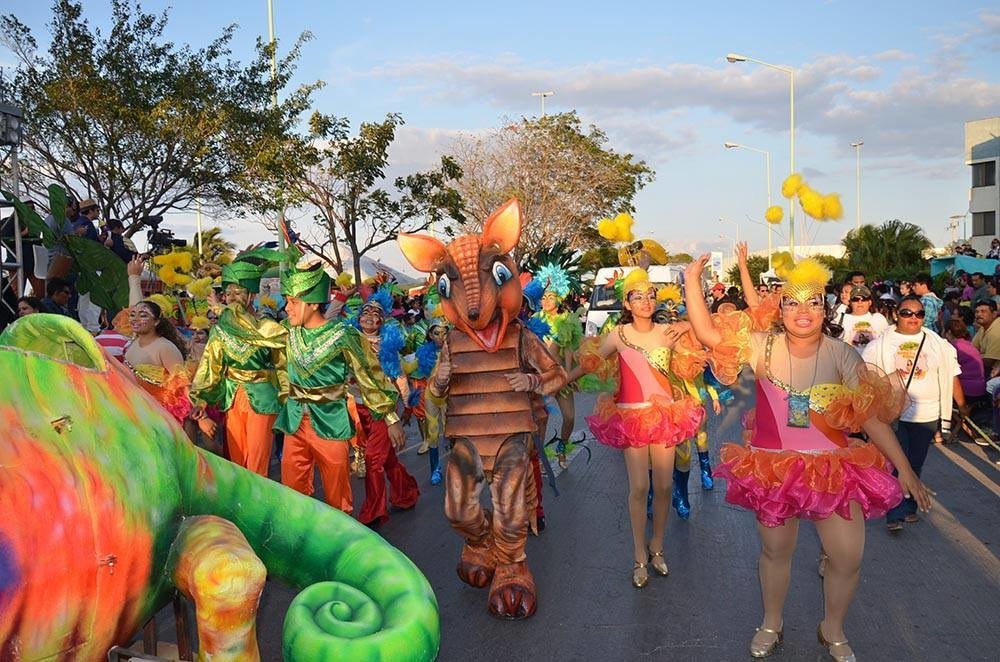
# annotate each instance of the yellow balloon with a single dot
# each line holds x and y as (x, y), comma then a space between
(774, 214)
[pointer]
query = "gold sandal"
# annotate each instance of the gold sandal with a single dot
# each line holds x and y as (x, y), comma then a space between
(761, 649)
(640, 576)
(658, 562)
(847, 656)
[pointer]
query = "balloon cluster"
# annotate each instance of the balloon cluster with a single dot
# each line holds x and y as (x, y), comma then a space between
(175, 268)
(617, 229)
(815, 204)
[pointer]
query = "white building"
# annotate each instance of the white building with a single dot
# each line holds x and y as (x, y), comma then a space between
(982, 152)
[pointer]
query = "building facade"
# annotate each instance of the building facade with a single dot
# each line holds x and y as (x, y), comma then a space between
(982, 154)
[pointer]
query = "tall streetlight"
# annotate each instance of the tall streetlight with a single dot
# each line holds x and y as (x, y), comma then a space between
(736, 57)
(274, 100)
(736, 224)
(726, 236)
(857, 150)
(767, 176)
(542, 95)
(965, 230)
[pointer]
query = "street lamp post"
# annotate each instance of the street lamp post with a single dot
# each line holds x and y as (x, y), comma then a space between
(965, 230)
(542, 95)
(736, 57)
(274, 100)
(726, 236)
(736, 224)
(767, 177)
(857, 150)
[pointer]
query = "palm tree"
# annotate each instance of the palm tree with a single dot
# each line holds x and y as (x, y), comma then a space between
(215, 249)
(894, 249)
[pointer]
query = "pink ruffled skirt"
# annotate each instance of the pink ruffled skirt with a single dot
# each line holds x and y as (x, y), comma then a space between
(663, 422)
(779, 485)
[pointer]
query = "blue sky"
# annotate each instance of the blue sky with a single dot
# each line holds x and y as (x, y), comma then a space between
(902, 76)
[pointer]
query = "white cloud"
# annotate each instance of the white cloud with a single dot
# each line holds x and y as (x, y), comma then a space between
(892, 55)
(917, 113)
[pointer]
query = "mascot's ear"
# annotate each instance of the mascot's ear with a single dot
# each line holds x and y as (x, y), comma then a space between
(425, 253)
(502, 229)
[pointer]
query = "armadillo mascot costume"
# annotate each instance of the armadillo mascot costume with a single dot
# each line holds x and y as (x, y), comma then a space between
(487, 370)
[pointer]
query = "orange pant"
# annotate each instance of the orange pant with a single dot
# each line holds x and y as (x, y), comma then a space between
(249, 435)
(306, 449)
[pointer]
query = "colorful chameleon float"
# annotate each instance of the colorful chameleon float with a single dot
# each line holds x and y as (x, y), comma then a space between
(107, 507)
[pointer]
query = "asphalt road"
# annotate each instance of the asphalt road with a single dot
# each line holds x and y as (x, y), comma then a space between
(929, 593)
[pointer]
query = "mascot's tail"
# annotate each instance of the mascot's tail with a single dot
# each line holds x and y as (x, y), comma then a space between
(362, 599)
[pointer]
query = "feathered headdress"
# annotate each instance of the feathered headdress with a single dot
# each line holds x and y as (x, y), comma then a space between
(803, 280)
(380, 299)
(533, 292)
(554, 278)
(636, 280)
(669, 292)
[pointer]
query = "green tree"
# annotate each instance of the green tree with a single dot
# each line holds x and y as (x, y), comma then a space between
(837, 265)
(894, 250)
(597, 258)
(346, 185)
(565, 175)
(680, 258)
(142, 125)
(215, 249)
(757, 264)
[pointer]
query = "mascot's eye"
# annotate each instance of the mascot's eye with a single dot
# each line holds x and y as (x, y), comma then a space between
(444, 286)
(501, 274)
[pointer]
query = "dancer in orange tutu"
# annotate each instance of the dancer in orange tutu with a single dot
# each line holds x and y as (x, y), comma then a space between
(812, 390)
(652, 411)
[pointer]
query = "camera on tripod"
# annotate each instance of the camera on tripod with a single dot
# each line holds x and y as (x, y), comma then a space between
(160, 240)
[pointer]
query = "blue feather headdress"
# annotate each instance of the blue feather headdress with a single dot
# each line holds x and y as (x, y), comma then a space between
(554, 279)
(392, 340)
(533, 292)
(382, 298)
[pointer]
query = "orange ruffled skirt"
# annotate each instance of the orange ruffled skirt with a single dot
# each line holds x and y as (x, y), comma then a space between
(662, 423)
(779, 485)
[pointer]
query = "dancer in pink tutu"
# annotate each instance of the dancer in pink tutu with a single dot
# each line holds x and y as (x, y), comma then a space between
(812, 390)
(652, 412)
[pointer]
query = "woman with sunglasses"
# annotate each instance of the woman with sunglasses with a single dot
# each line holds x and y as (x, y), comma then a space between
(800, 463)
(861, 325)
(928, 367)
(652, 412)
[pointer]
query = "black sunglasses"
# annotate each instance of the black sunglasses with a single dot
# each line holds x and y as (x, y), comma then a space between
(906, 312)
(856, 299)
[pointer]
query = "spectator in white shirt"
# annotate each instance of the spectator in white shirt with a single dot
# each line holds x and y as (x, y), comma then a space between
(928, 367)
(861, 326)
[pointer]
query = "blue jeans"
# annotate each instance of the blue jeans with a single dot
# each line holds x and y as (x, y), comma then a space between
(915, 439)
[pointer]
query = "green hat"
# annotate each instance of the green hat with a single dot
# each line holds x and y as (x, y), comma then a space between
(310, 285)
(244, 274)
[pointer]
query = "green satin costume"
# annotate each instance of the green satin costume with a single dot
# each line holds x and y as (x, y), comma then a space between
(321, 362)
(242, 351)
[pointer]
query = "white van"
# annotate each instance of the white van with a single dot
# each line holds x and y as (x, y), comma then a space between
(603, 301)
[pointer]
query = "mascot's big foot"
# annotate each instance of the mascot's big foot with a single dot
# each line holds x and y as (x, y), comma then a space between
(512, 594)
(477, 565)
